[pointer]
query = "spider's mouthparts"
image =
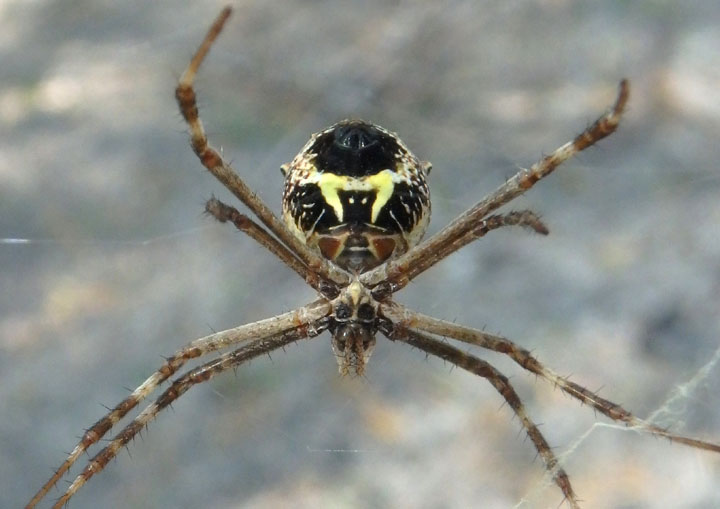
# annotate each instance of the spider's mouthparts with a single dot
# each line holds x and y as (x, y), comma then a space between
(353, 344)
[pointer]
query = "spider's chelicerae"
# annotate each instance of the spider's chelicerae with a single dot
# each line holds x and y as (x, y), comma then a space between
(355, 206)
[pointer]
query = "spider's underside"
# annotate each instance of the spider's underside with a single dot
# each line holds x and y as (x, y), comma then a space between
(355, 207)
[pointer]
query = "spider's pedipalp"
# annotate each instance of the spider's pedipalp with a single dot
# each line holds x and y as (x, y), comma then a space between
(353, 325)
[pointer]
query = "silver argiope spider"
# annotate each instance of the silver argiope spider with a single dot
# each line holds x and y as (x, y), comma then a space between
(355, 207)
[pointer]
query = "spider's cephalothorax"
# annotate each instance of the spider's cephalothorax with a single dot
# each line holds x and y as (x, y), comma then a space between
(353, 326)
(356, 194)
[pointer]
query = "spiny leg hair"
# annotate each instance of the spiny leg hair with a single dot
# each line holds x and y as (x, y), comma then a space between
(179, 386)
(394, 274)
(301, 317)
(500, 382)
(223, 213)
(524, 218)
(213, 161)
(414, 320)
(399, 323)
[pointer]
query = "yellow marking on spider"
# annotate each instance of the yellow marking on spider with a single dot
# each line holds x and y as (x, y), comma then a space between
(329, 185)
(381, 184)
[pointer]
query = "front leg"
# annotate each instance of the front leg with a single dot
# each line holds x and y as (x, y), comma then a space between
(213, 161)
(395, 272)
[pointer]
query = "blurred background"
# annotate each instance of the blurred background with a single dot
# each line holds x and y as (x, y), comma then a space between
(107, 262)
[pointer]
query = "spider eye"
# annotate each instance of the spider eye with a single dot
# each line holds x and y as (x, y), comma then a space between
(342, 312)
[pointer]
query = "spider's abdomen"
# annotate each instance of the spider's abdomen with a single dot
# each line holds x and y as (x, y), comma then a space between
(357, 195)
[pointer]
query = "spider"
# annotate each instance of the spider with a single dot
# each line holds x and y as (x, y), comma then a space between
(355, 207)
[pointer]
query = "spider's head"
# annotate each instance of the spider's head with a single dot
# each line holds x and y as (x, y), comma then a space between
(356, 194)
(353, 328)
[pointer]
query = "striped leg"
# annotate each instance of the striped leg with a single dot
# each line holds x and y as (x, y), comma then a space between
(395, 272)
(304, 317)
(502, 385)
(211, 159)
(224, 213)
(178, 388)
(523, 357)
(525, 218)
